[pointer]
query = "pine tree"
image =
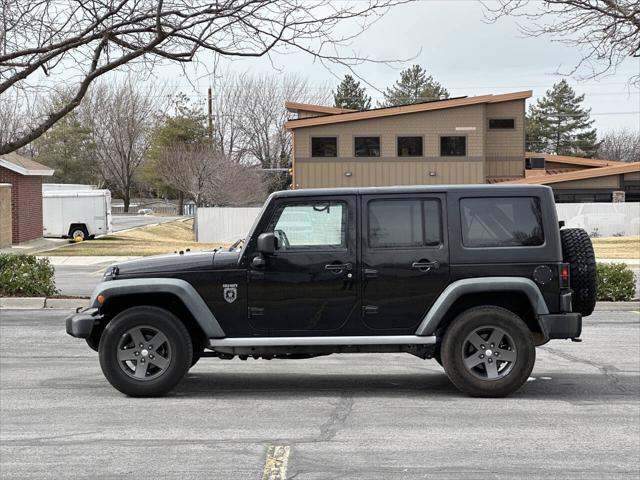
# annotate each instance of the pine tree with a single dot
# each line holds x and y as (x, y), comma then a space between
(68, 149)
(414, 86)
(350, 94)
(558, 124)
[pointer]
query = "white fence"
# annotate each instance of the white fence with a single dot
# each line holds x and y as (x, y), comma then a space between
(221, 224)
(224, 224)
(602, 219)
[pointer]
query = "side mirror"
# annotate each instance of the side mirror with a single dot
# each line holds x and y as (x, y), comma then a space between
(267, 243)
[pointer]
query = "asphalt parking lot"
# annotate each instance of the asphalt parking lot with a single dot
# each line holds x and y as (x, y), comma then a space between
(125, 222)
(349, 417)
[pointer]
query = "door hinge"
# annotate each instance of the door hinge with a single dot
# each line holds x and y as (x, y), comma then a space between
(369, 310)
(255, 312)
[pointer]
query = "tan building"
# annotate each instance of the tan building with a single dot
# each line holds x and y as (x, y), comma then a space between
(460, 140)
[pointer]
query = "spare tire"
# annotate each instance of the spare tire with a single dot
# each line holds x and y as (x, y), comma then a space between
(577, 251)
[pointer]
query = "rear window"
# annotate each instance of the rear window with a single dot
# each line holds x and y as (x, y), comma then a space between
(501, 222)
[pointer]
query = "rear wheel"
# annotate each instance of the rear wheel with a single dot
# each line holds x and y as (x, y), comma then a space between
(145, 351)
(577, 251)
(488, 352)
(79, 233)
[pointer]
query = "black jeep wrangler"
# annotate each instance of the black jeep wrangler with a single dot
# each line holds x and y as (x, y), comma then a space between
(473, 276)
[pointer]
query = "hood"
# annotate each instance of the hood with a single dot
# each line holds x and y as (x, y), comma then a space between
(177, 262)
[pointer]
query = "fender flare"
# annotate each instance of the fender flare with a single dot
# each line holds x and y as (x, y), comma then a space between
(459, 288)
(180, 288)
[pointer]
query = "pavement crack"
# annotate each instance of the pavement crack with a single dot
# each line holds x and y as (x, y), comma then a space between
(606, 370)
(338, 416)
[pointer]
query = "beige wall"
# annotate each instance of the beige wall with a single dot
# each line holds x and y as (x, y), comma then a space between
(317, 173)
(428, 124)
(5, 215)
(597, 182)
(388, 169)
(549, 165)
(632, 176)
(505, 148)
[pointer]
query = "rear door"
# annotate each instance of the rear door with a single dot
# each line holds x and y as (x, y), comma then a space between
(405, 259)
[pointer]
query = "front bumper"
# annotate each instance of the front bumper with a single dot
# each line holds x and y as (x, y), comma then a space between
(561, 325)
(81, 323)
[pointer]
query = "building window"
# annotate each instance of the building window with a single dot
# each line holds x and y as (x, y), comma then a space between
(501, 222)
(324, 147)
(367, 146)
(453, 146)
(534, 163)
(409, 146)
(502, 123)
(404, 223)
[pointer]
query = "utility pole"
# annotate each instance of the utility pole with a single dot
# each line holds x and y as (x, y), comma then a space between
(210, 113)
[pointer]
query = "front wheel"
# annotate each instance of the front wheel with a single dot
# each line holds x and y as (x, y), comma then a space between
(145, 351)
(488, 352)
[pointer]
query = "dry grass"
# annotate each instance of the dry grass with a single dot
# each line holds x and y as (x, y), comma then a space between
(617, 247)
(152, 240)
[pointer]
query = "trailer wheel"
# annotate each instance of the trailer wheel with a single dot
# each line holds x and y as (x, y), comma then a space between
(78, 233)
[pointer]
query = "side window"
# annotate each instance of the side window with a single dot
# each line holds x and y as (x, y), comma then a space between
(404, 223)
(453, 146)
(501, 222)
(324, 147)
(321, 225)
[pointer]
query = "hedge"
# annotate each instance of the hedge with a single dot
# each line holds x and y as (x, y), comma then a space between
(616, 282)
(26, 276)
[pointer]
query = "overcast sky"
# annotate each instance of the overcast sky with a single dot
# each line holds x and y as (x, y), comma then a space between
(468, 56)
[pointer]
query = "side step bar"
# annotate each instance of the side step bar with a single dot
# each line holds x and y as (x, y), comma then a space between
(313, 341)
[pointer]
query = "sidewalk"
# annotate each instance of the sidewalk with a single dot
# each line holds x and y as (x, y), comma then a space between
(87, 261)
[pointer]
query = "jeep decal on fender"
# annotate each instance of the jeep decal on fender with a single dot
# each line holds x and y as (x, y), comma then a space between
(230, 292)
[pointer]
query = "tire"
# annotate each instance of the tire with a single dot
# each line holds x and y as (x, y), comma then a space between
(199, 342)
(492, 375)
(78, 234)
(152, 370)
(577, 251)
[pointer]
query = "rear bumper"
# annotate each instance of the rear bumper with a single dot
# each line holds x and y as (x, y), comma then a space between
(80, 324)
(561, 325)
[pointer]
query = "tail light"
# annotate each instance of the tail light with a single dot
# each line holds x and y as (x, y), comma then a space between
(564, 275)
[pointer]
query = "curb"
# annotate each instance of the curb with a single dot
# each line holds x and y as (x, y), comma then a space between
(617, 306)
(37, 303)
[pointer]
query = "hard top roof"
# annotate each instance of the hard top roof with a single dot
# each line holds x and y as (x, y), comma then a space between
(484, 188)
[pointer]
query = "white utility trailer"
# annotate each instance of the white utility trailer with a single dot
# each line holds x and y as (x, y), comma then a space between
(75, 213)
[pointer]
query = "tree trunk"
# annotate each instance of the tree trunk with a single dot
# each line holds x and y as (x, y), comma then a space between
(127, 199)
(181, 203)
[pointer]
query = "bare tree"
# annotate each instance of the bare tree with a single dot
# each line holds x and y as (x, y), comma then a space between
(44, 43)
(121, 118)
(209, 177)
(607, 31)
(620, 145)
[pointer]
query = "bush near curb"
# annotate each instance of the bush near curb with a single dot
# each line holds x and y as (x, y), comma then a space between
(616, 282)
(26, 275)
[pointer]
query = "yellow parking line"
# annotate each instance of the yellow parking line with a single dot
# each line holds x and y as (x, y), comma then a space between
(275, 466)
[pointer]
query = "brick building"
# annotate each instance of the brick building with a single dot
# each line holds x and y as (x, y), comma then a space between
(25, 177)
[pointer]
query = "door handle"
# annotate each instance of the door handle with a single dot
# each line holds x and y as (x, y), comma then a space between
(424, 265)
(337, 267)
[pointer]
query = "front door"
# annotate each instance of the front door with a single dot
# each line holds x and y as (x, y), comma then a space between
(308, 286)
(405, 259)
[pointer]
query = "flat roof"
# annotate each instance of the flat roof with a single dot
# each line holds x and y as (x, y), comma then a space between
(586, 162)
(405, 109)
(577, 175)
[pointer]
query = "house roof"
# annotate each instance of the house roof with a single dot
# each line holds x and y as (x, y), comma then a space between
(308, 107)
(24, 166)
(585, 162)
(341, 117)
(578, 174)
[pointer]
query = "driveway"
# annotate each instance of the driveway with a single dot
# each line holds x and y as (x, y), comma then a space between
(125, 222)
(390, 416)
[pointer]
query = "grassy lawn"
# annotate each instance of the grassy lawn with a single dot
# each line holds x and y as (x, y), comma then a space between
(152, 240)
(617, 247)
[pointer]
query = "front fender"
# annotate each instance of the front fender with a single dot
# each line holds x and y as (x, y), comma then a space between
(180, 288)
(459, 288)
